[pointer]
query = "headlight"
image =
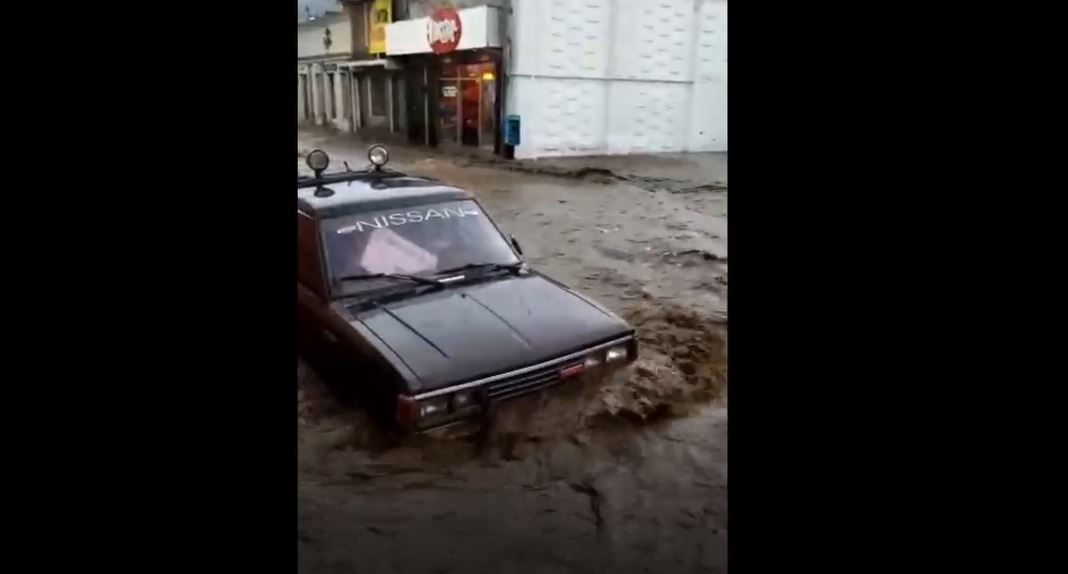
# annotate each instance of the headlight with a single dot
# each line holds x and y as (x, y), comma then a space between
(462, 399)
(433, 407)
(413, 414)
(616, 354)
(593, 361)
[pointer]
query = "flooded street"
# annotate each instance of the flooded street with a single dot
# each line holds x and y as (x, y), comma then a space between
(623, 475)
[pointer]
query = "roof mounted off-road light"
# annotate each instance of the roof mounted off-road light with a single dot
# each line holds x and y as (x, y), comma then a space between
(318, 161)
(378, 155)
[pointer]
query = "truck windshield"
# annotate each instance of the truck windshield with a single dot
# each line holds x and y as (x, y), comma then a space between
(421, 240)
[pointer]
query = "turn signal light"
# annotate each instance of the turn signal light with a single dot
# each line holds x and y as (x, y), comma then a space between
(407, 411)
(572, 371)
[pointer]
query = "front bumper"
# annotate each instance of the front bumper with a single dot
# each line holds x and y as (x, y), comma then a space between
(451, 404)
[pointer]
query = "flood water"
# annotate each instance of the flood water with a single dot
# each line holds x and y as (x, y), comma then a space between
(627, 474)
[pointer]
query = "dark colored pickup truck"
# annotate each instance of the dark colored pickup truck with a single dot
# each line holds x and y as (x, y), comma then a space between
(418, 290)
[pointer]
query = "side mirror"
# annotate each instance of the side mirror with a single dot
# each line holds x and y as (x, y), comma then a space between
(515, 243)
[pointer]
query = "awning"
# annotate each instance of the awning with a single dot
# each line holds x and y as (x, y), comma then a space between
(387, 63)
(330, 65)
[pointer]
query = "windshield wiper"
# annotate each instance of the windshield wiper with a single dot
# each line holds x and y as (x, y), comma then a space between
(495, 266)
(415, 278)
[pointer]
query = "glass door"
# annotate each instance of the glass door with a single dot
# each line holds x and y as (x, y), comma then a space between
(449, 110)
(467, 113)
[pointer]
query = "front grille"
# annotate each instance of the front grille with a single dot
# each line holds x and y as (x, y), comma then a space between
(526, 383)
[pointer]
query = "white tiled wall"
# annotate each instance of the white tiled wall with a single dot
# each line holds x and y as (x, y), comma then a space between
(565, 117)
(652, 39)
(647, 117)
(619, 76)
(708, 127)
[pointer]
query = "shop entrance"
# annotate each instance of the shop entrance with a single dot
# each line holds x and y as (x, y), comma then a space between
(467, 105)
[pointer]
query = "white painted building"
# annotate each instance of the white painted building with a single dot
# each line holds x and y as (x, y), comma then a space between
(584, 77)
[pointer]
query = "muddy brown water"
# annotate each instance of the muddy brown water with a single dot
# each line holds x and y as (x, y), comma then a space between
(625, 474)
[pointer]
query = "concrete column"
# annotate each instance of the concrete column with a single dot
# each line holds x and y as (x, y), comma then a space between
(341, 119)
(389, 102)
(357, 108)
(315, 77)
(350, 112)
(367, 99)
(426, 104)
(302, 83)
(327, 91)
(401, 95)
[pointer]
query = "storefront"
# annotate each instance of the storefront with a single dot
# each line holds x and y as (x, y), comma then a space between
(452, 63)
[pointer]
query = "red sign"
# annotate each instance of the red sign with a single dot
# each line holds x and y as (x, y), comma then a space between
(443, 30)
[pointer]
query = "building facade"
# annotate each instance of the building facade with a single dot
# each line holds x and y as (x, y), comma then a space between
(452, 62)
(344, 80)
(619, 76)
(576, 78)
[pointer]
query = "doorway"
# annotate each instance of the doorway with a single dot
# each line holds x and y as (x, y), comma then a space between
(467, 105)
(417, 101)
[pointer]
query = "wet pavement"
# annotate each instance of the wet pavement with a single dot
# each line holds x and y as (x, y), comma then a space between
(625, 475)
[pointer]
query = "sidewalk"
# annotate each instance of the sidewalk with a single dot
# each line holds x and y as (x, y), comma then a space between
(678, 172)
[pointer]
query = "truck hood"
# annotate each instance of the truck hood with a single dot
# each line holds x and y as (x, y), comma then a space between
(470, 331)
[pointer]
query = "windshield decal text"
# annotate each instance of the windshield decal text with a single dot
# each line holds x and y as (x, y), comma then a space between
(404, 218)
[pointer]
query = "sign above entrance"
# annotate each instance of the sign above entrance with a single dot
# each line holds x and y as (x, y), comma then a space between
(447, 30)
(443, 30)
